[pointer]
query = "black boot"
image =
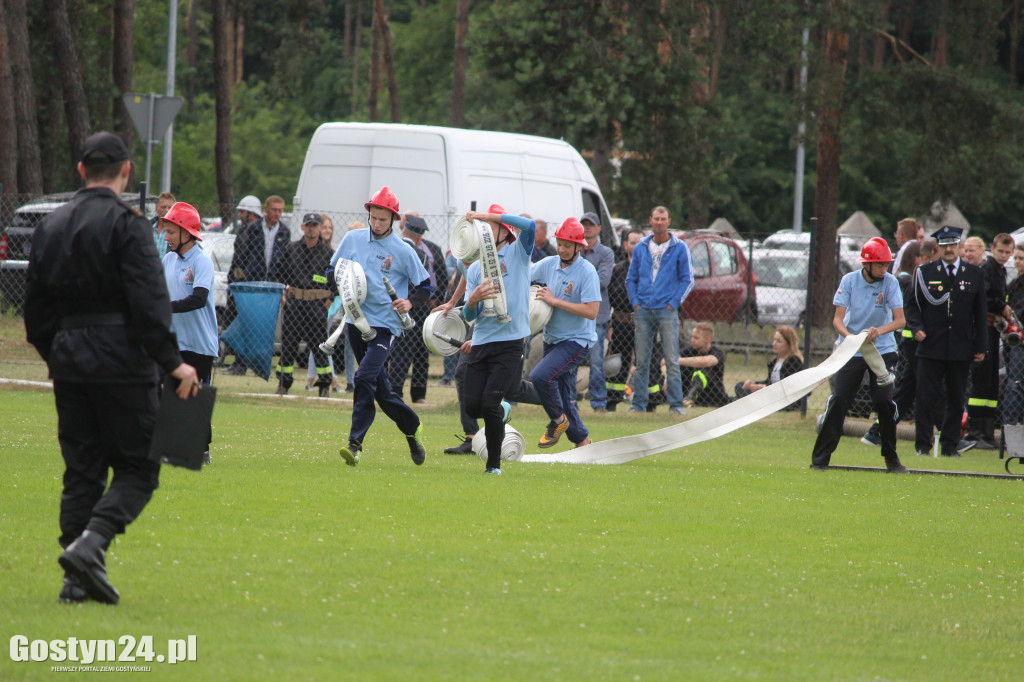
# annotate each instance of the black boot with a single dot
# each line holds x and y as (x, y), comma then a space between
(72, 592)
(85, 559)
(463, 448)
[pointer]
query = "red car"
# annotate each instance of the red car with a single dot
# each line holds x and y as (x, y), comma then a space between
(724, 288)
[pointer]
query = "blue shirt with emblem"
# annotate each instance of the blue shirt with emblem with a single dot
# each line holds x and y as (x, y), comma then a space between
(196, 329)
(869, 304)
(389, 257)
(577, 283)
(514, 261)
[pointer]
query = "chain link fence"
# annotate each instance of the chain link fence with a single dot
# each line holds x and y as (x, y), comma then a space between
(746, 286)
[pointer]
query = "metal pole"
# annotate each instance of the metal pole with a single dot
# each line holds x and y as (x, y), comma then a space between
(801, 130)
(149, 136)
(809, 308)
(172, 50)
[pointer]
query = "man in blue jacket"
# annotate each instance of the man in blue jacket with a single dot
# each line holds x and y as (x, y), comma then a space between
(660, 278)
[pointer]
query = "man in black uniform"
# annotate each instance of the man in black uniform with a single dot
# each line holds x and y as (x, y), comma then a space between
(946, 310)
(983, 403)
(623, 332)
(98, 312)
(702, 365)
(308, 296)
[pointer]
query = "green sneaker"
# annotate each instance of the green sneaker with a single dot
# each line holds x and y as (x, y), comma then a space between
(416, 449)
(351, 454)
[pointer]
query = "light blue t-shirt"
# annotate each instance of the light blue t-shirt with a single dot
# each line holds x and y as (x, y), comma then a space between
(389, 257)
(869, 304)
(196, 329)
(578, 283)
(514, 261)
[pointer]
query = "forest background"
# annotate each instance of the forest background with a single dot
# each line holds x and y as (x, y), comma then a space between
(693, 104)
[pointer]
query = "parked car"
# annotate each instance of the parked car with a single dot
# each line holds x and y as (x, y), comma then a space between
(724, 289)
(18, 236)
(782, 286)
(790, 240)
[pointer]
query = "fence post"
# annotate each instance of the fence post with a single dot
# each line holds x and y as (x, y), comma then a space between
(809, 307)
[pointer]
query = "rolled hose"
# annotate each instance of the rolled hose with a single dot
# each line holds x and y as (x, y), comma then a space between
(472, 241)
(351, 280)
(512, 446)
(453, 326)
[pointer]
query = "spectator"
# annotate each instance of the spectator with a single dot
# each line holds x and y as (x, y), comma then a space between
(100, 315)
(908, 231)
(867, 300)
(326, 236)
(704, 386)
(308, 293)
(603, 260)
(983, 404)
(787, 361)
(410, 349)
(542, 248)
(947, 313)
(163, 204)
(381, 253)
(1013, 401)
(655, 305)
(623, 332)
(570, 285)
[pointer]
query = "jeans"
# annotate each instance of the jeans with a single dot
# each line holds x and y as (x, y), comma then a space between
(371, 383)
(664, 322)
(554, 377)
(597, 388)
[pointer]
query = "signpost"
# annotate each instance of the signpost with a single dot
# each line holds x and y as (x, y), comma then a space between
(152, 115)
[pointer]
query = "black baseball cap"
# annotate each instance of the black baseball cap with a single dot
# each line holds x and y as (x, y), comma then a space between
(416, 224)
(312, 219)
(592, 217)
(104, 148)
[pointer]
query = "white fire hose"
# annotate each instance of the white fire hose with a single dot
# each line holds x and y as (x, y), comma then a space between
(351, 281)
(472, 241)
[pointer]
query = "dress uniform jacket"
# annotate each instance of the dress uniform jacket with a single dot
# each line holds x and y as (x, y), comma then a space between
(957, 329)
(96, 304)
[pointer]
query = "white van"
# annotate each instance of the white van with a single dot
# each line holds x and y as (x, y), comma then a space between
(440, 173)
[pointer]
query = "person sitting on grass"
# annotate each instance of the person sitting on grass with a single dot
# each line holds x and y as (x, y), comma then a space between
(703, 384)
(788, 360)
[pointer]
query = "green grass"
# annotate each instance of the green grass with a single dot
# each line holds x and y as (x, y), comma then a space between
(726, 560)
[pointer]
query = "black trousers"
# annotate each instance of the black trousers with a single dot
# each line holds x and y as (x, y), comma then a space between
(623, 342)
(983, 402)
(494, 371)
(303, 321)
(104, 428)
(932, 376)
(525, 392)
(847, 381)
(410, 350)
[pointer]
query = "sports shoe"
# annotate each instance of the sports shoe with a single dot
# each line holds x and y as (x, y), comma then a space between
(678, 411)
(351, 454)
(506, 412)
(923, 453)
(463, 448)
(600, 408)
(553, 432)
(349, 388)
(444, 382)
(950, 453)
(309, 387)
(416, 449)
(336, 388)
(895, 466)
(494, 471)
(965, 445)
(870, 438)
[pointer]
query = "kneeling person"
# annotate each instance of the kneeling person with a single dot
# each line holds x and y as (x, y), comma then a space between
(572, 288)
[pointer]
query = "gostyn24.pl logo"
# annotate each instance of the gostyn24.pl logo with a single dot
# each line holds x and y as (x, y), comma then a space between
(126, 649)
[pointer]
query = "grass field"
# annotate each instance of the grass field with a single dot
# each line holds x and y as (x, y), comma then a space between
(727, 560)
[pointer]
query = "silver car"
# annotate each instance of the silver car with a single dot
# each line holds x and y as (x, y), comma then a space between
(782, 286)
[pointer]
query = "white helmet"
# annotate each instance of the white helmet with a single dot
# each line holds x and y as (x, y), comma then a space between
(251, 204)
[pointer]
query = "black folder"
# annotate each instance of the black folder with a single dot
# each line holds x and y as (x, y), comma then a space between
(182, 433)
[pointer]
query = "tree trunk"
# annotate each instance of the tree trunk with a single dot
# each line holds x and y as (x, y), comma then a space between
(76, 108)
(30, 170)
(940, 41)
(880, 42)
(374, 66)
(124, 32)
(356, 51)
(389, 61)
(459, 70)
(1015, 29)
(826, 194)
(8, 137)
(190, 54)
(101, 107)
(222, 100)
(239, 48)
(347, 45)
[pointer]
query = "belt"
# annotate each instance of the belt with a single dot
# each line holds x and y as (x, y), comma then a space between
(93, 320)
(309, 294)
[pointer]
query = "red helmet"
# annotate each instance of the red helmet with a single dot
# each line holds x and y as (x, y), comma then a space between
(571, 231)
(499, 210)
(186, 217)
(385, 199)
(875, 251)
